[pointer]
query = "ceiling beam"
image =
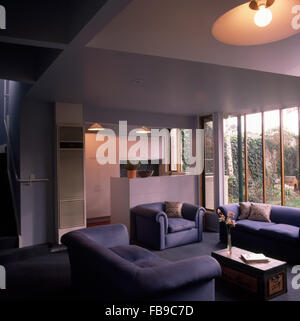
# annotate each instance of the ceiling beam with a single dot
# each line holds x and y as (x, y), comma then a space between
(32, 43)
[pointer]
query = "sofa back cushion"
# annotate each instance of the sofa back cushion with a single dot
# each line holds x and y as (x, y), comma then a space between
(260, 212)
(158, 205)
(285, 215)
(139, 256)
(174, 209)
(244, 210)
(106, 235)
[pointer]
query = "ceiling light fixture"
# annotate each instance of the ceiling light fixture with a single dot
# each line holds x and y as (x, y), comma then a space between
(138, 82)
(263, 16)
(95, 127)
(143, 130)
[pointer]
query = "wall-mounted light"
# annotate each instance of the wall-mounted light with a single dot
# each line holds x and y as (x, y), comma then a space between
(263, 16)
(143, 130)
(95, 127)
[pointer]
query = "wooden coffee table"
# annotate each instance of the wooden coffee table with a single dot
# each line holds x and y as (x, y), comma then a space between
(264, 280)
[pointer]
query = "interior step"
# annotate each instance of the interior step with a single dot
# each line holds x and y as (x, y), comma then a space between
(8, 242)
(14, 255)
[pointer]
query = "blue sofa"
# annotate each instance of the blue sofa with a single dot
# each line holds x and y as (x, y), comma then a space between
(105, 266)
(150, 226)
(279, 239)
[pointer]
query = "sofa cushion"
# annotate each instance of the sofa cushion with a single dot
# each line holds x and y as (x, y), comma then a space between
(285, 215)
(179, 224)
(260, 212)
(281, 232)
(251, 226)
(174, 209)
(138, 256)
(244, 210)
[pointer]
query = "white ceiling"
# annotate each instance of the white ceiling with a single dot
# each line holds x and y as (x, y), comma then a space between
(185, 71)
(182, 30)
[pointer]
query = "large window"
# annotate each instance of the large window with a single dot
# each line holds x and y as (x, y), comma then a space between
(273, 157)
(181, 148)
(209, 163)
(254, 157)
(262, 157)
(291, 156)
(234, 159)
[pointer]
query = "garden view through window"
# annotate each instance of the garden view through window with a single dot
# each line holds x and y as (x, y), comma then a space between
(261, 153)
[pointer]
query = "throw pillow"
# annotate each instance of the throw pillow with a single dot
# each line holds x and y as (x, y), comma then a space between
(173, 209)
(244, 210)
(260, 212)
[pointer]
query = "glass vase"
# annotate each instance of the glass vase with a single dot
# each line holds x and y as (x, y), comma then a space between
(229, 245)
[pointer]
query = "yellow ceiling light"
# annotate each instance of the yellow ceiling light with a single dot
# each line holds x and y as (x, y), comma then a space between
(239, 26)
(143, 130)
(263, 16)
(95, 127)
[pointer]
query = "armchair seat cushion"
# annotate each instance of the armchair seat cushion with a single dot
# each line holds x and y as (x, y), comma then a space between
(138, 256)
(252, 226)
(179, 224)
(282, 232)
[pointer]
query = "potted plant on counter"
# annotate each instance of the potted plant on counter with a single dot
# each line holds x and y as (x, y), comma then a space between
(131, 169)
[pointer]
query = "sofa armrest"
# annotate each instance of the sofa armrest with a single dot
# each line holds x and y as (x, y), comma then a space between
(234, 208)
(190, 211)
(177, 274)
(152, 214)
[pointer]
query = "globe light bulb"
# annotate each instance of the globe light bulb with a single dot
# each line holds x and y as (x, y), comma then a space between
(263, 16)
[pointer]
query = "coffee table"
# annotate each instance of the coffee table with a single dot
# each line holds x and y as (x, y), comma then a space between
(264, 280)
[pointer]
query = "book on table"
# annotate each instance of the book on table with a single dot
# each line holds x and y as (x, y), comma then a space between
(254, 258)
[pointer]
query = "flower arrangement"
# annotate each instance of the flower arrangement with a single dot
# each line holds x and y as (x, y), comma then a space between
(229, 223)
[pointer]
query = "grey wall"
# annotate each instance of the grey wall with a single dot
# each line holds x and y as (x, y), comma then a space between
(37, 157)
(96, 114)
(16, 92)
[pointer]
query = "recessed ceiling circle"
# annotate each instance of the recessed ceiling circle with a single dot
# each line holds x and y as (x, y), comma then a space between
(237, 27)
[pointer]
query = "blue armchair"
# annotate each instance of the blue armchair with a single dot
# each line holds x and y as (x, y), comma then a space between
(150, 226)
(105, 266)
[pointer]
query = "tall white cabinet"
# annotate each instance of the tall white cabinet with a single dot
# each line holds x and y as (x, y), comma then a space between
(70, 175)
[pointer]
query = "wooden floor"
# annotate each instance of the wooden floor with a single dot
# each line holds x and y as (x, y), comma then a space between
(104, 220)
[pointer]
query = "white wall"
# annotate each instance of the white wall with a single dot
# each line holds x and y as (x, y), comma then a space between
(98, 176)
(97, 180)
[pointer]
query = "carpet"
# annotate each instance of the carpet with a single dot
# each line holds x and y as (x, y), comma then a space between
(49, 275)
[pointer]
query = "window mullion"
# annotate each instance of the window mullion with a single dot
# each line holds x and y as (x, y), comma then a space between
(282, 158)
(246, 159)
(263, 156)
